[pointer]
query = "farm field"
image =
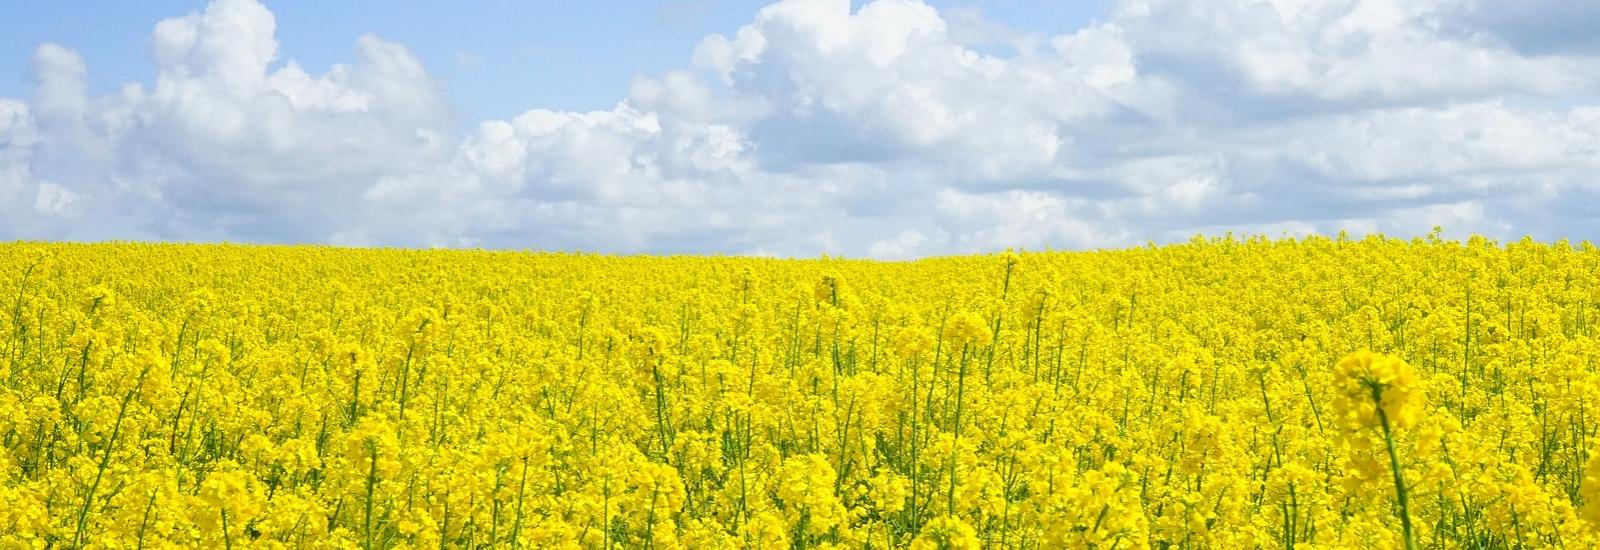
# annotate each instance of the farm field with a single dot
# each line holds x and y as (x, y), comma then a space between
(1223, 393)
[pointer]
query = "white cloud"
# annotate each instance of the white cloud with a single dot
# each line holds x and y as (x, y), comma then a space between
(887, 130)
(889, 84)
(1024, 219)
(18, 137)
(223, 144)
(54, 200)
(1383, 50)
(1534, 27)
(1487, 142)
(906, 245)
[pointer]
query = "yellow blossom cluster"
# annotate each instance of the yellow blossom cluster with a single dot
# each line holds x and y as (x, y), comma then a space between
(1377, 390)
(1220, 393)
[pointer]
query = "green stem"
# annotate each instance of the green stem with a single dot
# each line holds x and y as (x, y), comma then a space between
(372, 482)
(226, 540)
(955, 447)
(1399, 480)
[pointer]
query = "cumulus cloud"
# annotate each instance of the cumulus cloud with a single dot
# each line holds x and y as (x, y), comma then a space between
(18, 138)
(889, 129)
(1356, 51)
(1535, 27)
(225, 143)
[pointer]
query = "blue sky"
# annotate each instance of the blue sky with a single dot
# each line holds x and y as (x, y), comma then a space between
(884, 128)
(497, 58)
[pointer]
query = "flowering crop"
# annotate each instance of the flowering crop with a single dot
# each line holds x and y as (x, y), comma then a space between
(1222, 393)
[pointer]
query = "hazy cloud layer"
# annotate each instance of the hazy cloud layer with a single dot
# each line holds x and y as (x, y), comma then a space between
(890, 130)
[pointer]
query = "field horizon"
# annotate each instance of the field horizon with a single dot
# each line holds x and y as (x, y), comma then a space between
(1434, 236)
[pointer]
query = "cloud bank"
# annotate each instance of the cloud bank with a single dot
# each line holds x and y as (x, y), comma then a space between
(890, 130)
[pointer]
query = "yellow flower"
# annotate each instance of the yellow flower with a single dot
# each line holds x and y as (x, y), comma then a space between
(806, 487)
(1589, 490)
(912, 342)
(828, 288)
(1368, 383)
(372, 444)
(99, 297)
(229, 499)
(947, 533)
(965, 329)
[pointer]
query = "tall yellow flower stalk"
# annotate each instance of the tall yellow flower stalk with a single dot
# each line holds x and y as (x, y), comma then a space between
(1383, 392)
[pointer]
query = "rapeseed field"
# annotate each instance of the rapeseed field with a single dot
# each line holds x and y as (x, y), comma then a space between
(1223, 393)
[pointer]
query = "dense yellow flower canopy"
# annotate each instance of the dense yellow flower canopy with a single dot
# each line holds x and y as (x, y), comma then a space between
(1222, 393)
